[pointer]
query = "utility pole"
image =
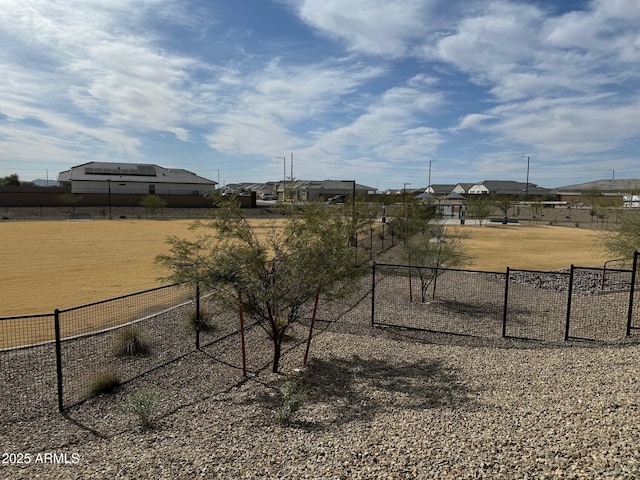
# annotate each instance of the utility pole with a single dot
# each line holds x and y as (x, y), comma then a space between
(430, 173)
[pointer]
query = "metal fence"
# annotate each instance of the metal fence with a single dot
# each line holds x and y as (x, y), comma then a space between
(581, 303)
(63, 354)
(462, 302)
(370, 244)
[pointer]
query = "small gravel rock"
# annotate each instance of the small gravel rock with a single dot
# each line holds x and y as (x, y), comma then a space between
(377, 406)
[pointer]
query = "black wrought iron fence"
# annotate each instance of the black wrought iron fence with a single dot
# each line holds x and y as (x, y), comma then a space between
(462, 302)
(377, 240)
(119, 339)
(536, 304)
(580, 303)
(68, 351)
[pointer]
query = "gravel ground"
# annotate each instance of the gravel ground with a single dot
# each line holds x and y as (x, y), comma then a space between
(383, 403)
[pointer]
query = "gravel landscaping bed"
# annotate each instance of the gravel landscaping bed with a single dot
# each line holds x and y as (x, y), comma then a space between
(380, 403)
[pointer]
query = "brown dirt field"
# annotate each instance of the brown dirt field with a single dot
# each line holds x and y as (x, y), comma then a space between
(496, 247)
(49, 265)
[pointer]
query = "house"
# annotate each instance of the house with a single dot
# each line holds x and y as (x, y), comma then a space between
(320, 189)
(508, 187)
(133, 178)
(462, 188)
(440, 190)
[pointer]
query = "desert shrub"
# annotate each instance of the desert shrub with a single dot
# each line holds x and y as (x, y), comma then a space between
(203, 323)
(104, 383)
(131, 343)
(293, 397)
(142, 404)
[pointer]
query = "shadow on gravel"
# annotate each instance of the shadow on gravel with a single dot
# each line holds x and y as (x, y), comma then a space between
(339, 390)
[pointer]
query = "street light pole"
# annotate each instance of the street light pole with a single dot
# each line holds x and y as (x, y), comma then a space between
(430, 173)
(526, 188)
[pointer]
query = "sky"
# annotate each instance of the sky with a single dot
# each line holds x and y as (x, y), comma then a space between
(390, 93)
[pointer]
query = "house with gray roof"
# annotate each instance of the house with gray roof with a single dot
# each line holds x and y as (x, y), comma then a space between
(321, 189)
(440, 190)
(508, 187)
(133, 178)
(462, 188)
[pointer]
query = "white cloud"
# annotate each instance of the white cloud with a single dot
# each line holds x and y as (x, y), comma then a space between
(94, 66)
(377, 27)
(279, 106)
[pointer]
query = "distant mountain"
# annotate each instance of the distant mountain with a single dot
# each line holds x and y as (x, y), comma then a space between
(41, 182)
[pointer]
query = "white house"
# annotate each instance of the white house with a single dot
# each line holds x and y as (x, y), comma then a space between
(134, 178)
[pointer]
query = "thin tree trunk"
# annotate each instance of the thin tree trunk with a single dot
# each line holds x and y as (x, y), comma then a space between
(277, 343)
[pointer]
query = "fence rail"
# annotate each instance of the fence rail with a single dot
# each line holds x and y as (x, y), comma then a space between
(63, 353)
(579, 304)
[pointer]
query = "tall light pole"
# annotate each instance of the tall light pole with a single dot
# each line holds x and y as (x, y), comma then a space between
(526, 188)
(430, 173)
(613, 174)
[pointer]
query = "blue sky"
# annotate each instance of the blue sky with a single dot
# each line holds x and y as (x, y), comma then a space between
(372, 90)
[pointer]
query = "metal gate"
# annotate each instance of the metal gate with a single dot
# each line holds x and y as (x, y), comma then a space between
(601, 303)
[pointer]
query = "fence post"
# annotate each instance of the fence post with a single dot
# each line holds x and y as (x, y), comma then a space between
(632, 291)
(198, 316)
(506, 303)
(56, 325)
(566, 327)
(373, 293)
(371, 244)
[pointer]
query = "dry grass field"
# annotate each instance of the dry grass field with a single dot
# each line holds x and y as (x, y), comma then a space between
(48, 265)
(528, 247)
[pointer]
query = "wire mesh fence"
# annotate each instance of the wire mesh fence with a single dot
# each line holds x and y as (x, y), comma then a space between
(26, 330)
(536, 305)
(27, 366)
(376, 241)
(129, 336)
(599, 304)
(437, 299)
(580, 303)
(117, 340)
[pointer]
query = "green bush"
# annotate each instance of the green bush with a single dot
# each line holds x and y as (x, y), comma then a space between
(105, 383)
(142, 404)
(131, 343)
(293, 398)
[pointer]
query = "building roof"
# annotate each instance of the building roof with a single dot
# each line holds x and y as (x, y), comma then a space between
(441, 189)
(510, 187)
(328, 185)
(131, 172)
(605, 186)
(465, 186)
